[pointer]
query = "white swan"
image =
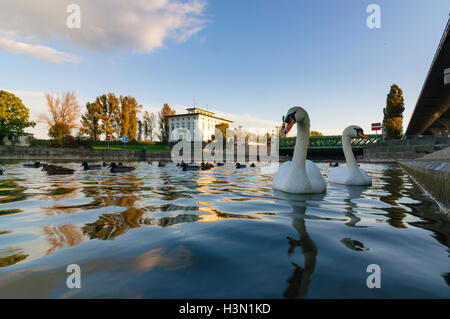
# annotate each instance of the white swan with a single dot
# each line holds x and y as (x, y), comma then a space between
(299, 176)
(351, 174)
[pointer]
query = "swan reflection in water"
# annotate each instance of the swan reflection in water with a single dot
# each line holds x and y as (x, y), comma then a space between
(299, 283)
(300, 280)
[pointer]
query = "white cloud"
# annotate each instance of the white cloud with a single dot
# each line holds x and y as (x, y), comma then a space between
(37, 51)
(138, 26)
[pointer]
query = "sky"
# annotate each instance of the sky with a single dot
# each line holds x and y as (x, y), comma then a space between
(246, 60)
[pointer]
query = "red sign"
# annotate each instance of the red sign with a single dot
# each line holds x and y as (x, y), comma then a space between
(108, 138)
(376, 126)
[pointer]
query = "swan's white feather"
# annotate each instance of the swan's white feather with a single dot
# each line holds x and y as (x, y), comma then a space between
(291, 180)
(342, 175)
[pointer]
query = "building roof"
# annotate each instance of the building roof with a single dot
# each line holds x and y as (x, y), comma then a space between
(198, 113)
(432, 109)
(199, 109)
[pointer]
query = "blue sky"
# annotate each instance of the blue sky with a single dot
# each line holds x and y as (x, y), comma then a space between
(249, 60)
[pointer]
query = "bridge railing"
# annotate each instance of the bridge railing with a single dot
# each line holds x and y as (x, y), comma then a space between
(329, 142)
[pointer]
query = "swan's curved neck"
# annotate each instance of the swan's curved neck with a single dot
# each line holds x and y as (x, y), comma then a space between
(348, 153)
(301, 144)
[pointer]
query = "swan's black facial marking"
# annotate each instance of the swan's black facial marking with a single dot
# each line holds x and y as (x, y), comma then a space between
(289, 117)
(358, 130)
(360, 133)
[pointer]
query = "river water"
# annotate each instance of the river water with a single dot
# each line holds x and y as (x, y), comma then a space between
(222, 233)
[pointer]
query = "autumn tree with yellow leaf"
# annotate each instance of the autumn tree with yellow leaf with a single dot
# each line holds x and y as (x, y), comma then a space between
(393, 114)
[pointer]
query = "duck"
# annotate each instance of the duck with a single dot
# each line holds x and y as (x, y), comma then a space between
(161, 164)
(220, 164)
(299, 176)
(34, 165)
(239, 165)
(252, 165)
(189, 167)
(2, 170)
(91, 167)
(59, 170)
(47, 167)
(105, 164)
(351, 174)
(120, 168)
(205, 166)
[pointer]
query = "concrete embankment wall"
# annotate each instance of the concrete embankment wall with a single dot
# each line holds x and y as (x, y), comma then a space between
(434, 176)
(391, 152)
(78, 154)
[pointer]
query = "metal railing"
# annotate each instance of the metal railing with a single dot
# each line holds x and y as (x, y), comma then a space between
(329, 142)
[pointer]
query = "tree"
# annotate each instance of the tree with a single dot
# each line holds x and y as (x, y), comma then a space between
(164, 122)
(315, 133)
(64, 112)
(58, 131)
(127, 120)
(149, 125)
(140, 130)
(14, 116)
(393, 113)
(223, 128)
(91, 121)
(109, 104)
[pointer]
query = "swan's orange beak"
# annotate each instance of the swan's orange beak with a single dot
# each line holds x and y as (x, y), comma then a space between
(361, 134)
(289, 125)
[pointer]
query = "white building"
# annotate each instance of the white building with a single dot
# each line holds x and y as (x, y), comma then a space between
(196, 125)
(23, 140)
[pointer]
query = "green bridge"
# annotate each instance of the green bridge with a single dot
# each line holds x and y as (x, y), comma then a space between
(328, 142)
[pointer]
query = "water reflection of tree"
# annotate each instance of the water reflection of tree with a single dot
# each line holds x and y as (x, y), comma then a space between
(11, 191)
(9, 257)
(62, 236)
(394, 185)
(109, 226)
(58, 192)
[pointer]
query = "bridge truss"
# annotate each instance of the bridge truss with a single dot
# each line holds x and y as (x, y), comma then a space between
(328, 142)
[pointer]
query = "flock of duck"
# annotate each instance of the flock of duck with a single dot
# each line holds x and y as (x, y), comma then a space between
(301, 176)
(206, 166)
(118, 168)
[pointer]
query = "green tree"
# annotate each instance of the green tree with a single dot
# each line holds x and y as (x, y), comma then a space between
(14, 116)
(164, 122)
(91, 121)
(58, 131)
(393, 113)
(315, 133)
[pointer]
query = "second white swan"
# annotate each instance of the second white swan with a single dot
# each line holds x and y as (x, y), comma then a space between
(299, 176)
(352, 174)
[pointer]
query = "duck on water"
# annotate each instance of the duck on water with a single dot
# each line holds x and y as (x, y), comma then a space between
(121, 168)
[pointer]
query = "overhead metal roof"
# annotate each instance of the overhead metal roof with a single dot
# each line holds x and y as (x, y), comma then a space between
(432, 110)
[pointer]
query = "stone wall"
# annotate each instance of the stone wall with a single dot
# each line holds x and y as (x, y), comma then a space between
(78, 154)
(434, 176)
(391, 152)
